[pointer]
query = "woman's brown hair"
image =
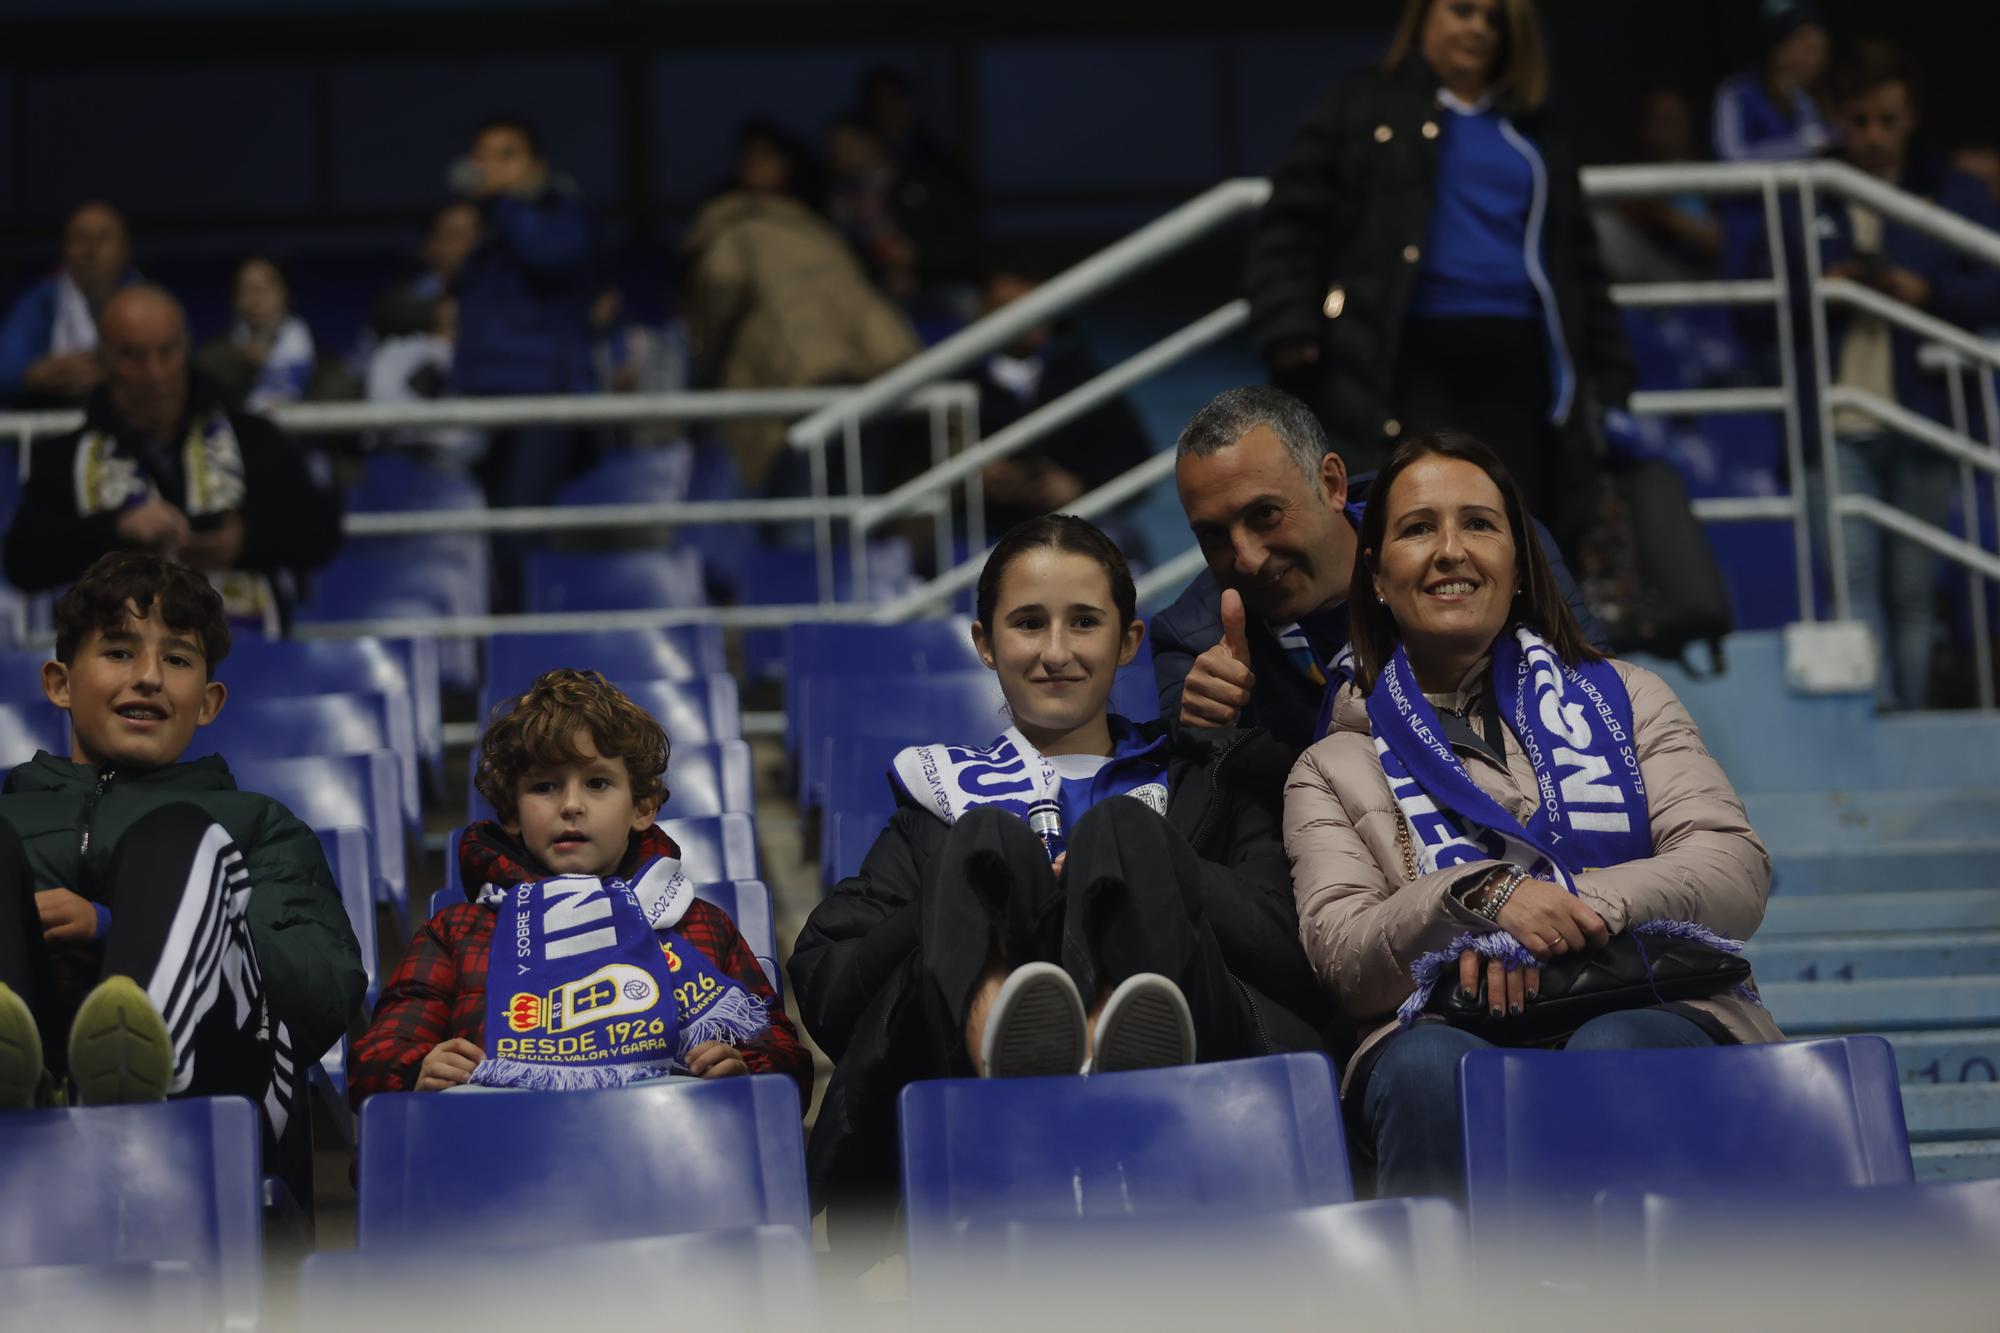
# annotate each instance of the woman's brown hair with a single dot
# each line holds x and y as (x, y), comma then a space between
(1520, 76)
(1372, 630)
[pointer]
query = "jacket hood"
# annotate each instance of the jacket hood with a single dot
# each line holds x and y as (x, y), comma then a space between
(51, 773)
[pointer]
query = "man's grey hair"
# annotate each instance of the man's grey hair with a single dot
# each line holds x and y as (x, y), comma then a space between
(1234, 413)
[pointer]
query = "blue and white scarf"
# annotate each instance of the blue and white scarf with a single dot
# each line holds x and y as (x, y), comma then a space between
(1575, 726)
(951, 781)
(590, 985)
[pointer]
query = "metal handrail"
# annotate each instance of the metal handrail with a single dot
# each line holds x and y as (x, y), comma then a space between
(1151, 243)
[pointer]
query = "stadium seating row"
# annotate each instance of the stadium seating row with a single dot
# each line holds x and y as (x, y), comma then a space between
(994, 1171)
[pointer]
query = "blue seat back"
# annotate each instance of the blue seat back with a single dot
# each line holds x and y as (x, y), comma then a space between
(521, 1168)
(846, 836)
(1546, 1130)
(331, 791)
(1259, 1134)
(613, 580)
(253, 727)
(702, 780)
(682, 652)
(31, 725)
(350, 854)
(259, 669)
(166, 1182)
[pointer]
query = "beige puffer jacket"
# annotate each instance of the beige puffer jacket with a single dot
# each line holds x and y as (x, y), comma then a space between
(1364, 923)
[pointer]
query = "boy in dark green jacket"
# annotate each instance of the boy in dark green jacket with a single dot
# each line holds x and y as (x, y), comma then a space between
(187, 937)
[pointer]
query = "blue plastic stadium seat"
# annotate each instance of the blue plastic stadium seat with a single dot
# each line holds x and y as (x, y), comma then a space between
(522, 1168)
(399, 668)
(692, 712)
(29, 726)
(333, 791)
(683, 652)
(958, 707)
(713, 849)
(350, 853)
(254, 727)
(165, 1183)
(613, 580)
(1262, 1134)
(846, 836)
(162, 1296)
(360, 586)
(702, 780)
(1546, 1130)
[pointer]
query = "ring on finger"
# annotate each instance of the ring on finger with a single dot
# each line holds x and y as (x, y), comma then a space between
(1561, 945)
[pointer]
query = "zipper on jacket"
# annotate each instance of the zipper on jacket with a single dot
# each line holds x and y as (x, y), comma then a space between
(1256, 1018)
(1215, 788)
(104, 781)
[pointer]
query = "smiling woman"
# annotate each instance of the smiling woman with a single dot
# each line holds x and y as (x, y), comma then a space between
(1494, 797)
(1083, 893)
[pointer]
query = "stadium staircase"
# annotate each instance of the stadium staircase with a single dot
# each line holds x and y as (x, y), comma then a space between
(1884, 833)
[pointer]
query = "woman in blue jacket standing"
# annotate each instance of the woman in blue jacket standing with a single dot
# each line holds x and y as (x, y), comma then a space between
(1426, 261)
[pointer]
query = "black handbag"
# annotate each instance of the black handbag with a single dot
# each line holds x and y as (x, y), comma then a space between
(1629, 972)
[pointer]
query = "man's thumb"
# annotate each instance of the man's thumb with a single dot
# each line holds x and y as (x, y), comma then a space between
(1233, 636)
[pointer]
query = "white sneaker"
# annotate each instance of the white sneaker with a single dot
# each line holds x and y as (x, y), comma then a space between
(1144, 1025)
(1036, 1025)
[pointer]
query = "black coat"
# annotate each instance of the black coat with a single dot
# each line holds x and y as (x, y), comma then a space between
(290, 524)
(1350, 208)
(857, 978)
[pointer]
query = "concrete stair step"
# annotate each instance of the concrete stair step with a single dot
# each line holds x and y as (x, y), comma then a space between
(1897, 867)
(1809, 821)
(1906, 910)
(1963, 1055)
(1965, 1159)
(1806, 1007)
(1951, 1111)
(1848, 957)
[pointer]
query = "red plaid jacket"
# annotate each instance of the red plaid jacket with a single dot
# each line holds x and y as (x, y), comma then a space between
(438, 991)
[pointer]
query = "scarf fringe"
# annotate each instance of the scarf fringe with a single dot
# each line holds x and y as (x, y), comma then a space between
(736, 1018)
(1511, 954)
(505, 1073)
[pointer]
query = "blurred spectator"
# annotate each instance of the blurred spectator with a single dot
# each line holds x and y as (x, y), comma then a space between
(1771, 112)
(1671, 239)
(776, 299)
(1890, 580)
(1426, 261)
(411, 305)
(1982, 164)
(415, 367)
(1037, 368)
(267, 357)
(523, 297)
(48, 345)
(930, 194)
(161, 465)
(858, 202)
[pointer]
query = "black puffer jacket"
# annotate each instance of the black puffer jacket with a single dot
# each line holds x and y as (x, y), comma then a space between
(1350, 211)
(856, 975)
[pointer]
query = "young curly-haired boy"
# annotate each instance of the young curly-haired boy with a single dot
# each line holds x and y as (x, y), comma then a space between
(613, 971)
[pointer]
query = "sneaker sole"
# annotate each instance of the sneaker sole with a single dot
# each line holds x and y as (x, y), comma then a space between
(1039, 1032)
(20, 1053)
(119, 1050)
(1146, 1030)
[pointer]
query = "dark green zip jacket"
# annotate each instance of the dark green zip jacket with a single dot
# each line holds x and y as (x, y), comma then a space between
(305, 947)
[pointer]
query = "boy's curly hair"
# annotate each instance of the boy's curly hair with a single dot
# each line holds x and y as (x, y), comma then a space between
(185, 599)
(537, 729)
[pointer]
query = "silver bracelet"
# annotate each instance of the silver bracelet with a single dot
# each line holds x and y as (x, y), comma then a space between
(1496, 898)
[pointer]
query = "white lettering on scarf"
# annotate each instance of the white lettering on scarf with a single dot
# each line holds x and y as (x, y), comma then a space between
(1585, 785)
